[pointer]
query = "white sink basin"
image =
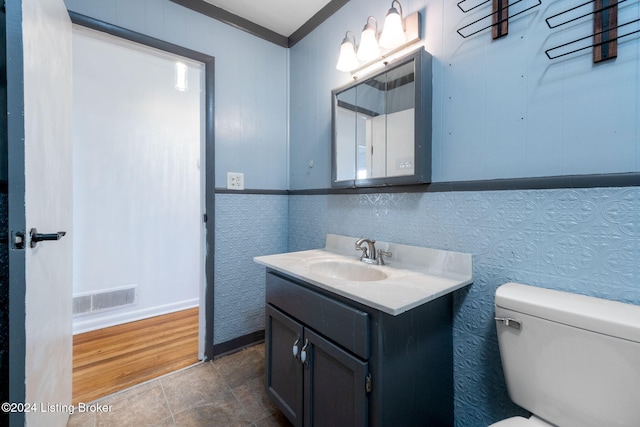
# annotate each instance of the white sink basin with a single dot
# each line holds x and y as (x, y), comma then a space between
(347, 271)
(412, 275)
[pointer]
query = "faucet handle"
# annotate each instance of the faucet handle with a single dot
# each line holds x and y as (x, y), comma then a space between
(382, 253)
(364, 251)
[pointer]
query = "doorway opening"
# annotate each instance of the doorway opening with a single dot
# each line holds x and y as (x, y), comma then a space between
(143, 184)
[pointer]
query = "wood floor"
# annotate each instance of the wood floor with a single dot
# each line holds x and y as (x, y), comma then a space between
(112, 359)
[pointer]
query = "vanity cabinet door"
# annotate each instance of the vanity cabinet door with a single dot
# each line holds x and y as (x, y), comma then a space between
(283, 372)
(335, 385)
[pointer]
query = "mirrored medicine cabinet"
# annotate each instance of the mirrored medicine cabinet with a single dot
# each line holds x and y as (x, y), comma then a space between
(381, 126)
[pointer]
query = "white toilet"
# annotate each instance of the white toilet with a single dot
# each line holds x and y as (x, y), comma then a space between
(570, 360)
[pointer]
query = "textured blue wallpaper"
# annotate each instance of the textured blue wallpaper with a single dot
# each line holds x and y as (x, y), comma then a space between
(246, 225)
(585, 241)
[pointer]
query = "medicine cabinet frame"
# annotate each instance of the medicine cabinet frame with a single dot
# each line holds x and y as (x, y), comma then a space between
(422, 128)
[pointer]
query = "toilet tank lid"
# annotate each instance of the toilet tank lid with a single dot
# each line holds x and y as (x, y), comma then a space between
(612, 318)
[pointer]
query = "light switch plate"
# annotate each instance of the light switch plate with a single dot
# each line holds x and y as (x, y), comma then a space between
(235, 181)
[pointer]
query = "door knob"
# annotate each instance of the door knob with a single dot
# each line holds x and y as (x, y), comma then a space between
(39, 237)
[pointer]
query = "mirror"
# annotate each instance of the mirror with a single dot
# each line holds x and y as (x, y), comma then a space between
(382, 126)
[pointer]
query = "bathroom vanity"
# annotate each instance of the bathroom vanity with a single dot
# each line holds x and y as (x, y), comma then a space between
(351, 344)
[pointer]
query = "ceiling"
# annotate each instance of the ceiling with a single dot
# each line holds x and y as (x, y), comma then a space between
(284, 22)
(281, 16)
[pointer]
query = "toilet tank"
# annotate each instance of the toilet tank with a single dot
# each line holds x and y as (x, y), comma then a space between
(570, 359)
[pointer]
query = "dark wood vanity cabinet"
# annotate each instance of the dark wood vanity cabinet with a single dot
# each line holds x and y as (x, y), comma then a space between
(333, 362)
(327, 389)
(283, 370)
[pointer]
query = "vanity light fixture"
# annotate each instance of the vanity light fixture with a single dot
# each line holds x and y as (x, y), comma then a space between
(369, 48)
(399, 36)
(347, 60)
(182, 83)
(393, 32)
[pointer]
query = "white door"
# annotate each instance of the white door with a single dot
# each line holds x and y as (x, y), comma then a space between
(40, 181)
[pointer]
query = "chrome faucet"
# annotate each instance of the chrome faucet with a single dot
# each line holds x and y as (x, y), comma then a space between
(369, 254)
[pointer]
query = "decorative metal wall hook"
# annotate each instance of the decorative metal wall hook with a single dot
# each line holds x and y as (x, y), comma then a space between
(500, 16)
(471, 8)
(550, 55)
(550, 25)
(605, 33)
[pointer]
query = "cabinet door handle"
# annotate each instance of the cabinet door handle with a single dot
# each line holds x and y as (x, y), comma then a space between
(295, 348)
(303, 353)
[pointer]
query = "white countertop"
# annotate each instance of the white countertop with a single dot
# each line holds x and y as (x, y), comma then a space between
(415, 275)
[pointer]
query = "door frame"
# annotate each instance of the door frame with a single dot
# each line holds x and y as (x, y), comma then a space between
(209, 154)
(15, 201)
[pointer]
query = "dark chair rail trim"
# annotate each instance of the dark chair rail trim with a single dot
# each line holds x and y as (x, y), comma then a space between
(631, 179)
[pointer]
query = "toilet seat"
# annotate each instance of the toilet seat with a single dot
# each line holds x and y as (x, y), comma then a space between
(522, 422)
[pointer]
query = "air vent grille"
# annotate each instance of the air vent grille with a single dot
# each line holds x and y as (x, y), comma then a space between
(104, 300)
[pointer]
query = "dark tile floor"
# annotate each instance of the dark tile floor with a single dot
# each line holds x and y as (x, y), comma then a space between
(224, 392)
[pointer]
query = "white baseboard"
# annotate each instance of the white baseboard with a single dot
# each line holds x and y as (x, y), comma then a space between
(104, 320)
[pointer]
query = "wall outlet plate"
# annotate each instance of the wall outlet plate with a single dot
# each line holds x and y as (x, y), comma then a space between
(235, 181)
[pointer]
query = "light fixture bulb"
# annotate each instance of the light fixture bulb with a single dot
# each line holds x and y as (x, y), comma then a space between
(347, 61)
(393, 32)
(369, 49)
